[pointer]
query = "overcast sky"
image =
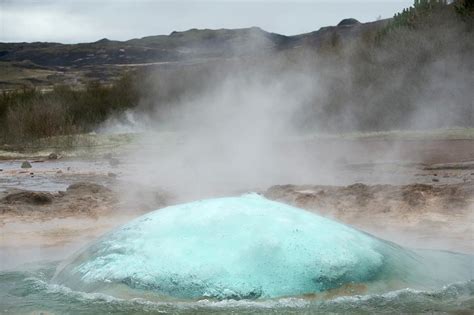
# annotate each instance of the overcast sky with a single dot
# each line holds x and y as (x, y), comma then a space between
(72, 21)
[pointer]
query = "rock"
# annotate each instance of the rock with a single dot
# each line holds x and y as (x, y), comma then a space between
(415, 195)
(348, 22)
(435, 180)
(53, 156)
(29, 197)
(87, 187)
(26, 164)
(358, 187)
(110, 174)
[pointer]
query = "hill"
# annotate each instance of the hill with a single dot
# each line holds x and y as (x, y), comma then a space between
(104, 59)
(177, 46)
(413, 71)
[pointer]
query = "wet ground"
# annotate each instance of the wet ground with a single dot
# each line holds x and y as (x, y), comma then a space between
(421, 196)
(418, 193)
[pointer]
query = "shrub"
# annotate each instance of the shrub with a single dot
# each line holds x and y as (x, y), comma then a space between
(29, 114)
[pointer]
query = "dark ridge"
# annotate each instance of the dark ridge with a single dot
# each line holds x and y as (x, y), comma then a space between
(348, 22)
(103, 40)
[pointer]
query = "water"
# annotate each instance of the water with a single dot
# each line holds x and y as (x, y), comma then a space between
(30, 292)
(241, 255)
(46, 177)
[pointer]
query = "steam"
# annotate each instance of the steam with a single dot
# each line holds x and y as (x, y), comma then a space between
(230, 138)
(128, 122)
(244, 124)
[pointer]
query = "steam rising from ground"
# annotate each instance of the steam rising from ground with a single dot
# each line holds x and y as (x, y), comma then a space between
(230, 138)
(248, 123)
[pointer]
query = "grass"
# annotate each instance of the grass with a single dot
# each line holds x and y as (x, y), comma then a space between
(14, 76)
(78, 145)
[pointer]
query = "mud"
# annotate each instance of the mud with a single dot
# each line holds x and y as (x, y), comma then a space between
(44, 225)
(80, 199)
(37, 225)
(416, 215)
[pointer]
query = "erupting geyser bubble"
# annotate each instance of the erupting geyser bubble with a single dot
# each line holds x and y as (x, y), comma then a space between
(239, 248)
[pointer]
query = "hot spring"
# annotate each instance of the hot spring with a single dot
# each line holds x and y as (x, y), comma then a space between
(249, 248)
(240, 255)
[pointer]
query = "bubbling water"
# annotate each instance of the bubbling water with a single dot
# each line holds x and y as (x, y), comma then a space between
(248, 247)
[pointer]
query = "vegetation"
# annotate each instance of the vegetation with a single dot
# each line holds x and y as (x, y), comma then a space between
(30, 114)
(410, 16)
(422, 10)
(414, 71)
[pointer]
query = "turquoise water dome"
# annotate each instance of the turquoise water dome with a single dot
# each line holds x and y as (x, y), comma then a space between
(234, 248)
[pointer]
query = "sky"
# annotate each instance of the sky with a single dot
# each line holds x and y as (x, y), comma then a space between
(73, 21)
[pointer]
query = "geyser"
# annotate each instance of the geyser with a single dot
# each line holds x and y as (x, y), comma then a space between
(240, 248)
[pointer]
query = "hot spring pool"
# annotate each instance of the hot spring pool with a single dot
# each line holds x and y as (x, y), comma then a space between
(244, 254)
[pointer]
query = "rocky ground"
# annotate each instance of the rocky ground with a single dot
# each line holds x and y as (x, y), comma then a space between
(80, 199)
(416, 215)
(53, 208)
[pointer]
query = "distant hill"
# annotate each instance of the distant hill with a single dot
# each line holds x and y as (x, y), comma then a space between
(412, 71)
(412, 32)
(105, 60)
(177, 46)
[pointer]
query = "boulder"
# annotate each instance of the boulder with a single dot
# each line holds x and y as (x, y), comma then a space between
(53, 156)
(87, 187)
(26, 164)
(29, 197)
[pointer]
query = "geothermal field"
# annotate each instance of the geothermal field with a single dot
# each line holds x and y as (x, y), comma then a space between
(419, 198)
(254, 160)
